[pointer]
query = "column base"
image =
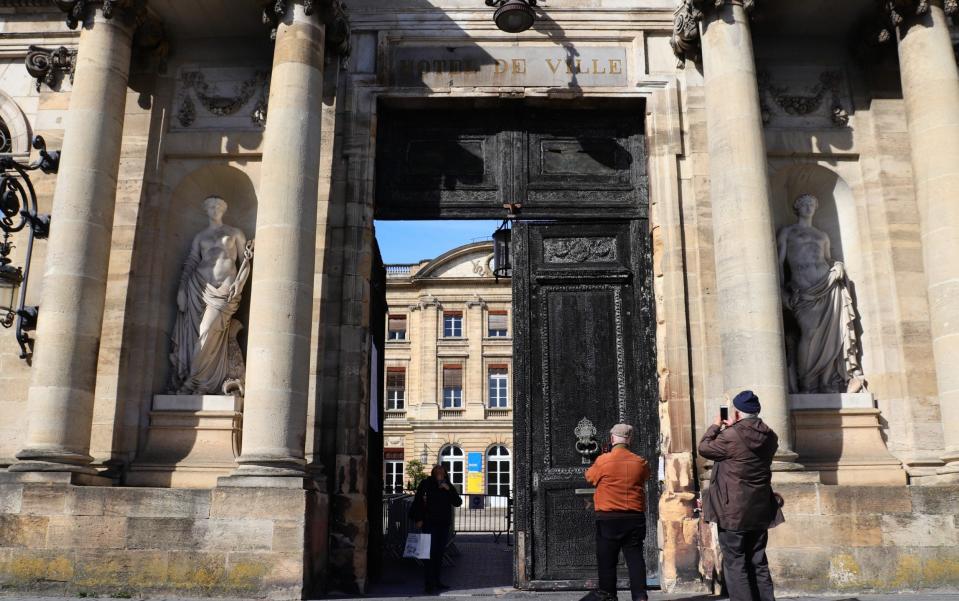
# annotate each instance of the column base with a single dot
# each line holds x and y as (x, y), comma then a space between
(238, 481)
(60, 477)
(50, 460)
(951, 466)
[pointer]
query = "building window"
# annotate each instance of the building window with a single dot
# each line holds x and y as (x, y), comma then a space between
(397, 328)
(393, 475)
(452, 324)
(499, 471)
(395, 388)
(498, 324)
(452, 387)
(498, 387)
(452, 458)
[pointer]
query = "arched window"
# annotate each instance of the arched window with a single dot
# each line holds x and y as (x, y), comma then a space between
(453, 459)
(499, 471)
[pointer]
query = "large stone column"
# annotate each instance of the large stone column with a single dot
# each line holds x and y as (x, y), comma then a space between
(60, 402)
(281, 298)
(747, 273)
(930, 87)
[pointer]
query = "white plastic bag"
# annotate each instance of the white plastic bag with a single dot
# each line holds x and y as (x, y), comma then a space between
(417, 545)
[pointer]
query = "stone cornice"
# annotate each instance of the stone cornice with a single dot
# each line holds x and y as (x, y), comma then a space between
(331, 13)
(686, 41)
(895, 12)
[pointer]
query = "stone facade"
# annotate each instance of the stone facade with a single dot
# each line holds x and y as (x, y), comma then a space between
(162, 108)
(459, 287)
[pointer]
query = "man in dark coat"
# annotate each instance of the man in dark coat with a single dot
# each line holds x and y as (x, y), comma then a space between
(740, 499)
(432, 511)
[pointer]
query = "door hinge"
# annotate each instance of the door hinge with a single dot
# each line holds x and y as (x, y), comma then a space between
(535, 482)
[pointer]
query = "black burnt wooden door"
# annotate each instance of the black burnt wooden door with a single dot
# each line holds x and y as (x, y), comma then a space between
(583, 355)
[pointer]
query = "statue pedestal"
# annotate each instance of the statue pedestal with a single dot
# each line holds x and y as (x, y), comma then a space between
(192, 441)
(840, 436)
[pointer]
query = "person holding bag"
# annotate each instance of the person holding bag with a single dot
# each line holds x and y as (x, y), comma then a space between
(432, 512)
(740, 499)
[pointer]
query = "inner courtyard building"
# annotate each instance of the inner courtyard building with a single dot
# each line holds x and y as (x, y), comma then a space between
(704, 197)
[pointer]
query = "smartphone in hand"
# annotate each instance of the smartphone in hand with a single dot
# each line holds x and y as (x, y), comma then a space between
(724, 412)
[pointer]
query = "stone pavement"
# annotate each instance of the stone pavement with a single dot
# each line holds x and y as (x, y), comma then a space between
(483, 569)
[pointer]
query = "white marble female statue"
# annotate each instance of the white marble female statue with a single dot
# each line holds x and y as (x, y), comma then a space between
(205, 355)
(817, 293)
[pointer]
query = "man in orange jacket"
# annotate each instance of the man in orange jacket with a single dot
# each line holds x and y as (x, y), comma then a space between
(620, 502)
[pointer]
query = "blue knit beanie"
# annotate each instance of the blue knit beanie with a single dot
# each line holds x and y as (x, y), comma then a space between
(747, 402)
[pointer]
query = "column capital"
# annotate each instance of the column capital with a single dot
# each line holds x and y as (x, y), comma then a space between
(331, 13)
(686, 41)
(78, 10)
(895, 13)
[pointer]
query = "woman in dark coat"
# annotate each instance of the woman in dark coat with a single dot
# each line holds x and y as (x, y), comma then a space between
(432, 512)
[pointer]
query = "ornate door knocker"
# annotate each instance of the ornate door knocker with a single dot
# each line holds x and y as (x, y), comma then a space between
(586, 444)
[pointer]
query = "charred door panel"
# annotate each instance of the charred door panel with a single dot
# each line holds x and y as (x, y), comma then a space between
(441, 164)
(583, 350)
(466, 163)
(575, 159)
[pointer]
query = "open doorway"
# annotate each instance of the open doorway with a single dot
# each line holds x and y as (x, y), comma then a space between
(576, 323)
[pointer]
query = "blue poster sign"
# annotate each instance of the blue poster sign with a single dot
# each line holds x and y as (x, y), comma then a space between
(474, 462)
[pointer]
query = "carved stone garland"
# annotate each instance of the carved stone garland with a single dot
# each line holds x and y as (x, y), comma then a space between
(49, 65)
(686, 42)
(219, 104)
(799, 104)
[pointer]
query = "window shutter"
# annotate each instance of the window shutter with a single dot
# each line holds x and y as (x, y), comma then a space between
(397, 323)
(452, 376)
(498, 321)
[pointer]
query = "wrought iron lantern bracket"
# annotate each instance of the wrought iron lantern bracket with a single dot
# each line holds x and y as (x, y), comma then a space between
(18, 212)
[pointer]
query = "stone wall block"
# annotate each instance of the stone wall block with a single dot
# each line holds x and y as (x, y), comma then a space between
(42, 499)
(11, 497)
(935, 499)
(239, 535)
(801, 499)
(166, 533)
(139, 502)
(86, 532)
(196, 572)
(288, 536)
(844, 531)
(279, 504)
(858, 500)
(919, 530)
(23, 531)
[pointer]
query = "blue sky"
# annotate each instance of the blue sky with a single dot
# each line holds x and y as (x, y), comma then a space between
(411, 241)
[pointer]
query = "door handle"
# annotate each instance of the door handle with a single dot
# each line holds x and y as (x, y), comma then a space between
(586, 444)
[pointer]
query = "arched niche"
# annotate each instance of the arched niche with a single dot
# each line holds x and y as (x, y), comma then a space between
(16, 125)
(837, 207)
(837, 216)
(186, 217)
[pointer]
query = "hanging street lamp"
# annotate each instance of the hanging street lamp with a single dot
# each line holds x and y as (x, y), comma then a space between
(502, 241)
(18, 211)
(513, 16)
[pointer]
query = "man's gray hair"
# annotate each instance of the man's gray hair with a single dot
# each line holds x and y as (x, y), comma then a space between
(747, 415)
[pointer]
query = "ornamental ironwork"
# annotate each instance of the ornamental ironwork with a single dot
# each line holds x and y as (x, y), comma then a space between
(18, 212)
(49, 65)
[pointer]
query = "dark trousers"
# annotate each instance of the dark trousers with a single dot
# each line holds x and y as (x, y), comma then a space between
(439, 537)
(745, 568)
(626, 535)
